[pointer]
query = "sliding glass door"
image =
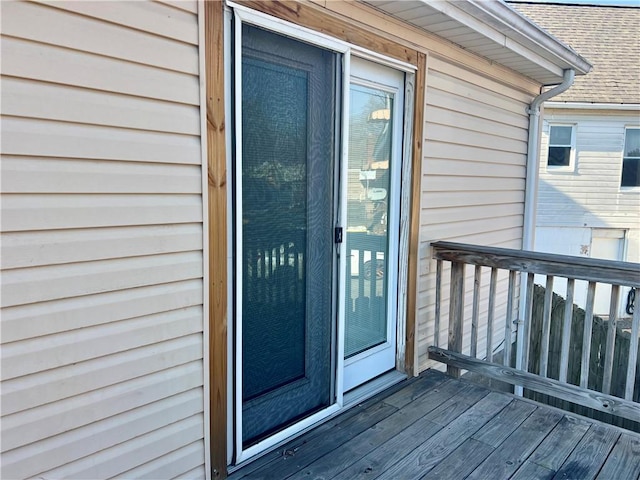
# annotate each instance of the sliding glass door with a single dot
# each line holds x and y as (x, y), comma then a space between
(317, 160)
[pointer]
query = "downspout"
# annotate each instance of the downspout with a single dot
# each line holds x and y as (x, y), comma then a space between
(530, 199)
(531, 186)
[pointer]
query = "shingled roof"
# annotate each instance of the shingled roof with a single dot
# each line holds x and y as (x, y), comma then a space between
(607, 36)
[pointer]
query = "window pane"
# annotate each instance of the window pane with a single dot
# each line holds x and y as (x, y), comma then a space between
(370, 130)
(559, 156)
(560, 135)
(632, 142)
(630, 172)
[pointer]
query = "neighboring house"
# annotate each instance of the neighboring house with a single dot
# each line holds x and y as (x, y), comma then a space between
(589, 190)
(191, 242)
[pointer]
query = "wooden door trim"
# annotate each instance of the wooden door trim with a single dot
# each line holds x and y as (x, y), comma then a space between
(217, 197)
(321, 20)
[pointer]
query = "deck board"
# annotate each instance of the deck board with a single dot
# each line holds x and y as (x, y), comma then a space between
(435, 427)
(624, 461)
(462, 461)
(385, 455)
(439, 446)
(330, 465)
(517, 447)
(503, 424)
(590, 454)
(559, 444)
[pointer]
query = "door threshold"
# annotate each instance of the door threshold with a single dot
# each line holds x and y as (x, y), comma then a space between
(372, 387)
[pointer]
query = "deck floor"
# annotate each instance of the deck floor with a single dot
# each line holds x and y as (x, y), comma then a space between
(435, 427)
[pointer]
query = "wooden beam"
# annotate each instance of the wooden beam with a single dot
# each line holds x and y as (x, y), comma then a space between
(571, 393)
(217, 196)
(322, 20)
(580, 268)
(414, 216)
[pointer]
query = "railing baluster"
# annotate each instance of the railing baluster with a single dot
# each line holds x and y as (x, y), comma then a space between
(566, 331)
(476, 311)
(456, 313)
(436, 323)
(609, 351)
(491, 311)
(546, 326)
(528, 315)
(633, 354)
(586, 335)
(611, 339)
(506, 359)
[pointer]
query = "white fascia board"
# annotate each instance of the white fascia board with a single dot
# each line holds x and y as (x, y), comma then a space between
(499, 22)
(593, 106)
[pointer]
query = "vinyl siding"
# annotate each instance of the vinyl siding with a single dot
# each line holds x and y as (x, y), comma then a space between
(590, 197)
(474, 167)
(102, 241)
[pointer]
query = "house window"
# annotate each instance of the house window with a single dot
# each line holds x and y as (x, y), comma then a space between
(631, 158)
(560, 146)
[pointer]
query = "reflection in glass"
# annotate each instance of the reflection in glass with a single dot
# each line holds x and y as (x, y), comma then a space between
(370, 126)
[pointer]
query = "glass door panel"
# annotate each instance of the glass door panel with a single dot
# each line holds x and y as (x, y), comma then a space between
(370, 129)
(374, 153)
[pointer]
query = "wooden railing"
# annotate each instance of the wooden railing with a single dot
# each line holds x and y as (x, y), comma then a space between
(521, 268)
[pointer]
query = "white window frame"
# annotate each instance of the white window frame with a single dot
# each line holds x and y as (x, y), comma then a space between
(572, 153)
(634, 188)
(246, 15)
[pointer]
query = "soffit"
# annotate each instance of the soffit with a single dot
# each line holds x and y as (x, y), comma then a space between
(493, 30)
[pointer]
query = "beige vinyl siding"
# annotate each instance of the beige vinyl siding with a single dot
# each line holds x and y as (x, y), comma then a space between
(102, 241)
(474, 168)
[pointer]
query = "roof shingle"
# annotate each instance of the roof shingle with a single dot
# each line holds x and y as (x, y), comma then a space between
(607, 36)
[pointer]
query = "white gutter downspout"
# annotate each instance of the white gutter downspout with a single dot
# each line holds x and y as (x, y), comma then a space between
(531, 195)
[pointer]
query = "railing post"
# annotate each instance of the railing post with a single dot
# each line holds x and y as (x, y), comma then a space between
(456, 313)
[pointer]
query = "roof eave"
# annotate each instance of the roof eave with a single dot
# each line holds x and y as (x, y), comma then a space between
(519, 28)
(514, 41)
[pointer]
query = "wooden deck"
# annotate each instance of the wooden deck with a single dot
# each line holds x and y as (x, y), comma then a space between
(435, 427)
